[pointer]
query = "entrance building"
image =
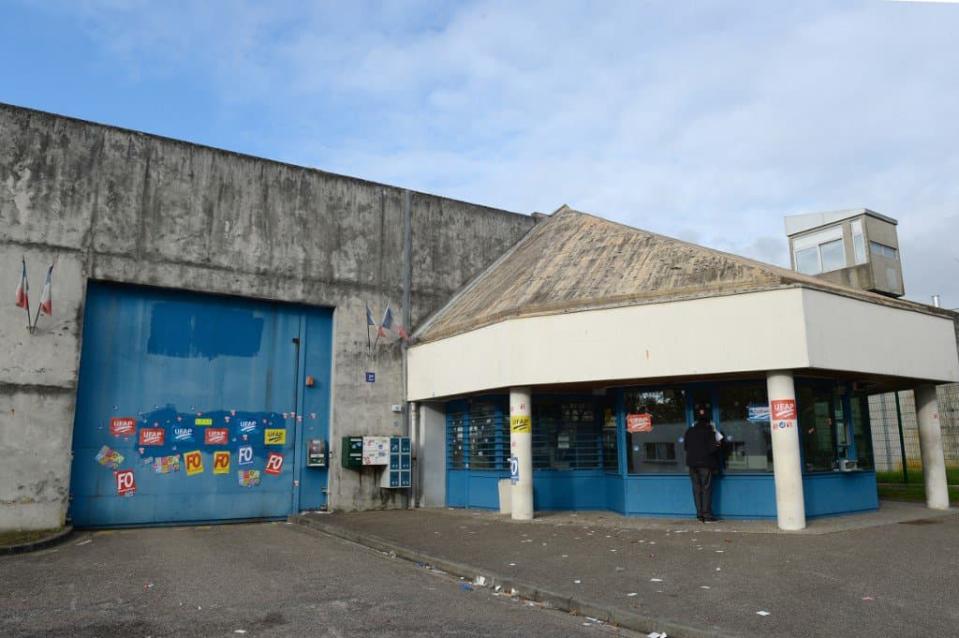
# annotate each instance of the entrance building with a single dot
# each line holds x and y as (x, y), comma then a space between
(590, 343)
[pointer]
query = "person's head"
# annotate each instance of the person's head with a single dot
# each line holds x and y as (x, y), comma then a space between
(702, 413)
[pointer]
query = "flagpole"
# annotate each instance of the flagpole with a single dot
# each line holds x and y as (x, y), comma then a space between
(26, 291)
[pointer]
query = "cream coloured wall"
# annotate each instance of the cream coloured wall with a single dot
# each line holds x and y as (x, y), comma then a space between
(745, 332)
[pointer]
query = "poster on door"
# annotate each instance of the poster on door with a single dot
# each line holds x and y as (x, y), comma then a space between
(639, 423)
(126, 482)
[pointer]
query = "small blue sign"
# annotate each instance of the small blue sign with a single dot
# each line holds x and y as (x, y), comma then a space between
(371, 377)
(513, 470)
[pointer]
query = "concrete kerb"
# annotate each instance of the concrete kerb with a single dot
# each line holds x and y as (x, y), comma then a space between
(37, 545)
(552, 600)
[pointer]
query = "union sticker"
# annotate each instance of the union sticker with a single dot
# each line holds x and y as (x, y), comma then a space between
(194, 462)
(221, 462)
(274, 436)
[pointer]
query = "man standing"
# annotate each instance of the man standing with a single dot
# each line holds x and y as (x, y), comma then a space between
(702, 456)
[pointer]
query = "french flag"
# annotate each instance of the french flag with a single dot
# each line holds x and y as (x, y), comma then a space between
(46, 298)
(387, 323)
(23, 288)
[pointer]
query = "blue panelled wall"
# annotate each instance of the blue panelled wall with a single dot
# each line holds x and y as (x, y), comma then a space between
(622, 450)
(194, 408)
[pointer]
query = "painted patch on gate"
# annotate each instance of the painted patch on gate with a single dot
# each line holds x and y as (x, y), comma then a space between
(152, 436)
(216, 436)
(126, 482)
(244, 455)
(194, 462)
(274, 436)
(221, 462)
(166, 464)
(123, 426)
(108, 457)
(248, 478)
(783, 409)
(274, 464)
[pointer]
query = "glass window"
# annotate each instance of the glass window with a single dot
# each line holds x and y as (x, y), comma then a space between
(817, 427)
(861, 431)
(744, 420)
(566, 434)
(610, 439)
(858, 242)
(488, 442)
(833, 255)
(807, 260)
(655, 424)
(456, 421)
(882, 249)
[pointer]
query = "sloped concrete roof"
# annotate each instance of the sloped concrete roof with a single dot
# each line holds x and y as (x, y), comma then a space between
(575, 261)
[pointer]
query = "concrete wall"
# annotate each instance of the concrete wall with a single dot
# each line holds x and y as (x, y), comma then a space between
(123, 206)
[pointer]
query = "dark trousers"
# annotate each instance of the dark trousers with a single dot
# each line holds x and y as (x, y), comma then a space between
(702, 479)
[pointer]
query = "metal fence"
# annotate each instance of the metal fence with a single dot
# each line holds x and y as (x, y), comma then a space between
(885, 429)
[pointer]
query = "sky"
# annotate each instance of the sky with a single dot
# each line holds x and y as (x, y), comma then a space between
(709, 120)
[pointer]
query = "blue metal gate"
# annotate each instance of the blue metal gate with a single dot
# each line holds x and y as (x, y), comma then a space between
(196, 408)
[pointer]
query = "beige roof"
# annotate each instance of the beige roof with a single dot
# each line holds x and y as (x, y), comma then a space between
(575, 261)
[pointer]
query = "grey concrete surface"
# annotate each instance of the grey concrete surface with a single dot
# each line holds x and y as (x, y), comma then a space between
(119, 205)
(894, 579)
(269, 579)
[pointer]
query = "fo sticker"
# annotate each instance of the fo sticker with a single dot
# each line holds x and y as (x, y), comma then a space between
(273, 436)
(108, 457)
(783, 409)
(221, 462)
(194, 462)
(274, 464)
(244, 455)
(216, 436)
(520, 423)
(123, 426)
(126, 483)
(248, 478)
(152, 436)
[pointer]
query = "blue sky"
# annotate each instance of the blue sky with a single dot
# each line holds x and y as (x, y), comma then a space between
(704, 120)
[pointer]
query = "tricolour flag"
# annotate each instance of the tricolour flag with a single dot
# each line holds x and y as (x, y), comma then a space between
(46, 298)
(387, 323)
(369, 317)
(23, 288)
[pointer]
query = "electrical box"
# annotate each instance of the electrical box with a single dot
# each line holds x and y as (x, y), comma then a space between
(351, 452)
(398, 474)
(316, 453)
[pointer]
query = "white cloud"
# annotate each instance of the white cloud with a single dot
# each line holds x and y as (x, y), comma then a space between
(708, 119)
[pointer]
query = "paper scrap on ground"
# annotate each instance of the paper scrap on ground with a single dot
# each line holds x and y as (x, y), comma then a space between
(762, 613)
(631, 594)
(655, 580)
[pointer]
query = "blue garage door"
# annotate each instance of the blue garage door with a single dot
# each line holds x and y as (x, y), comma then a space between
(197, 408)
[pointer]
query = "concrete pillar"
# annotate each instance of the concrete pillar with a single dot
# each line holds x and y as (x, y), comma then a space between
(787, 459)
(930, 446)
(521, 448)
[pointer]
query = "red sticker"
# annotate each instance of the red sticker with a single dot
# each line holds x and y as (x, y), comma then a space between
(123, 426)
(152, 436)
(126, 484)
(639, 422)
(274, 464)
(216, 436)
(783, 409)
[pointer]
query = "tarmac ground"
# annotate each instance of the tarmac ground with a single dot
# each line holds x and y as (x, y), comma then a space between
(889, 573)
(265, 579)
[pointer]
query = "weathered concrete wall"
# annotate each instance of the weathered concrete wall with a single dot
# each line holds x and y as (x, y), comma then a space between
(123, 206)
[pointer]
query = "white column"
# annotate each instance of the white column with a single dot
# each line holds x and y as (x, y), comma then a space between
(521, 447)
(787, 460)
(930, 445)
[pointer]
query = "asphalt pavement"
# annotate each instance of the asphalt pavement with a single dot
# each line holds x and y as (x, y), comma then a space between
(892, 573)
(267, 579)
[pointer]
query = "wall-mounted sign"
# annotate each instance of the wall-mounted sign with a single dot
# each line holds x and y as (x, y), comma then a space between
(371, 377)
(316, 453)
(757, 413)
(274, 464)
(221, 462)
(639, 422)
(244, 455)
(216, 436)
(152, 436)
(194, 462)
(203, 421)
(123, 426)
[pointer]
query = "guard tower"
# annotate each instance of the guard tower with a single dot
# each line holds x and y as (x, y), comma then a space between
(857, 248)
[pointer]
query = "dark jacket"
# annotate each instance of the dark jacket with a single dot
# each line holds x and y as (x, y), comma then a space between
(702, 449)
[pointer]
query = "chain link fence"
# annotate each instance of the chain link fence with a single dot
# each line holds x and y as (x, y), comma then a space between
(885, 429)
